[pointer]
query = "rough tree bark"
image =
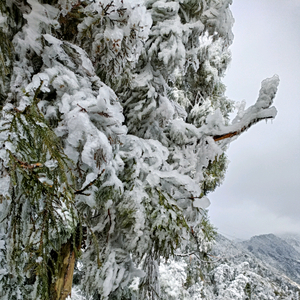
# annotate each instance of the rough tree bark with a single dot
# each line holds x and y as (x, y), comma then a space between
(61, 270)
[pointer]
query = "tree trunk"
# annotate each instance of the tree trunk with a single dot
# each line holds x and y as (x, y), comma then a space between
(62, 269)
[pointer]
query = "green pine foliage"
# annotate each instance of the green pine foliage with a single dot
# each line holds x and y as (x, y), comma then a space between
(214, 174)
(6, 51)
(41, 206)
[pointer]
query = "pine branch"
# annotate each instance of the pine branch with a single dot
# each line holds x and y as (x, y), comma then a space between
(81, 192)
(26, 165)
(261, 110)
(238, 132)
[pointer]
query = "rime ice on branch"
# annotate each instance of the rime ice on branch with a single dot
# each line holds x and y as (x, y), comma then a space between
(261, 110)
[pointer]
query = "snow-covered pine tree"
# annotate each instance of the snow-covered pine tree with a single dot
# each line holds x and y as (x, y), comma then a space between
(114, 125)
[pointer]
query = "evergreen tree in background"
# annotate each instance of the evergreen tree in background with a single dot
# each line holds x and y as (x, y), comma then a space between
(114, 124)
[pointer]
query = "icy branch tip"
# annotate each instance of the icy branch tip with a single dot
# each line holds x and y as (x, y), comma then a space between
(267, 92)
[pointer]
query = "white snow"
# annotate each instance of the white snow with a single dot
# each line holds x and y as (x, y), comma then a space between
(201, 202)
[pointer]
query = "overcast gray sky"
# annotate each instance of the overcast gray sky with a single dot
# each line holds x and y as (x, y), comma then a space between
(260, 193)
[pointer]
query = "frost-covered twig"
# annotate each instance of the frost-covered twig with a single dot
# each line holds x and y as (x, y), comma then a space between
(81, 192)
(237, 132)
(261, 110)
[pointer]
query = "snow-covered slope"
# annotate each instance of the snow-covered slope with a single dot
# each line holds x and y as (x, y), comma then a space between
(292, 239)
(241, 274)
(277, 252)
(231, 273)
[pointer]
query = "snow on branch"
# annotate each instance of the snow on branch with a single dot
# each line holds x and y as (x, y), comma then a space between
(261, 110)
(23, 6)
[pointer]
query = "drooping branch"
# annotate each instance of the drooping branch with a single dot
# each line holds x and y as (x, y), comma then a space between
(261, 110)
(238, 132)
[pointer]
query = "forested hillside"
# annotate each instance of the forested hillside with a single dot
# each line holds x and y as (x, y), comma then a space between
(114, 126)
(233, 272)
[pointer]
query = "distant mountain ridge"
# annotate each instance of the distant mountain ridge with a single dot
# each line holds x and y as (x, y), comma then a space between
(261, 268)
(292, 239)
(278, 252)
(264, 268)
